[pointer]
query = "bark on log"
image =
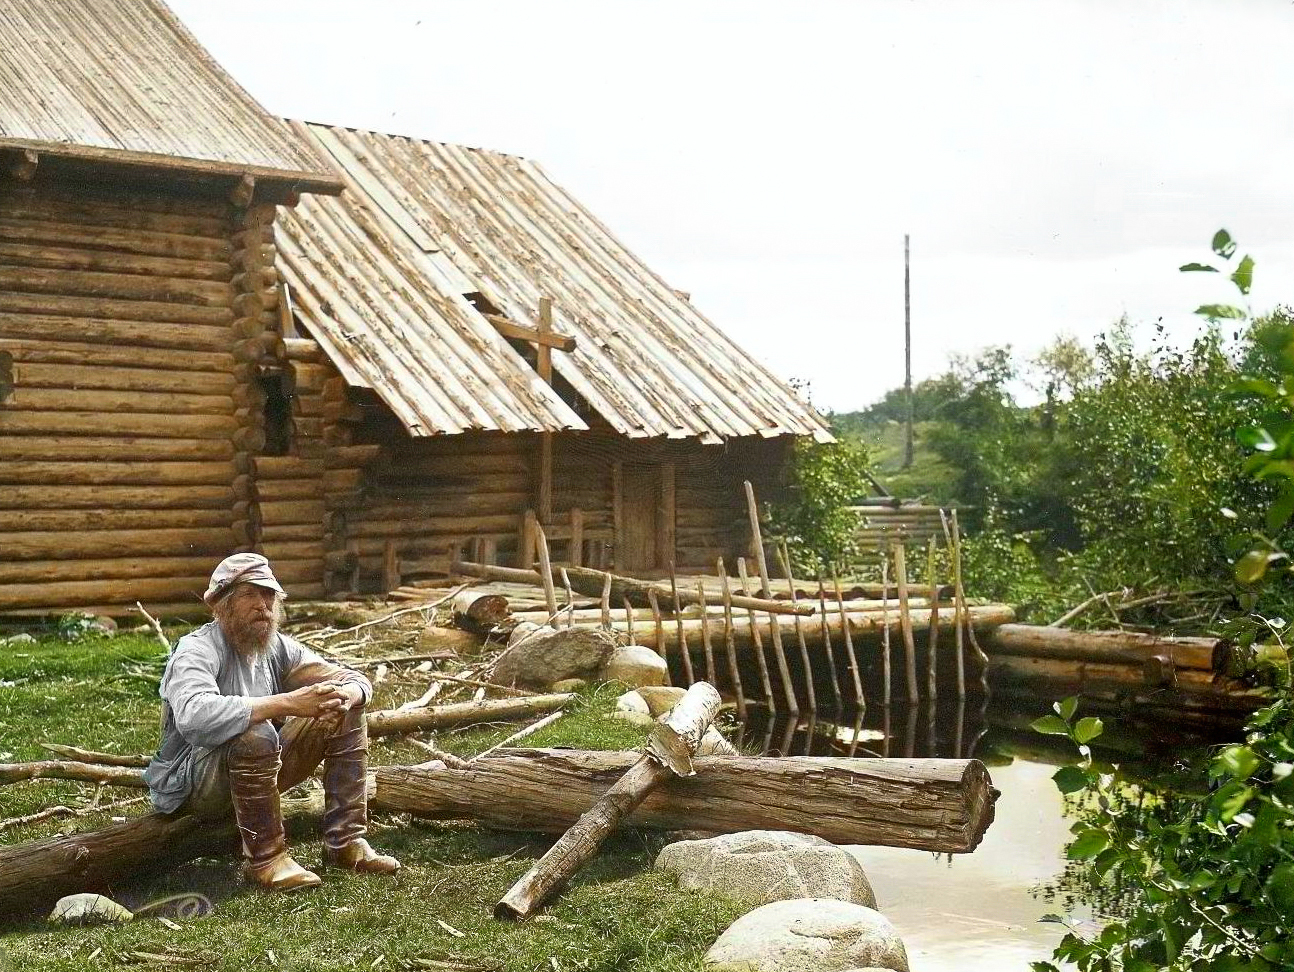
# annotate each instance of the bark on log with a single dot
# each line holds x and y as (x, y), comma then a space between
(1116, 647)
(113, 448)
(589, 582)
(395, 722)
(91, 756)
(479, 611)
(862, 625)
(673, 742)
(99, 473)
(939, 805)
(62, 769)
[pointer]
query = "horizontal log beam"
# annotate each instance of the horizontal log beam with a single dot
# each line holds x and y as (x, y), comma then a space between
(118, 473)
(116, 497)
(1114, 647)
(939, 805)
(524, 332)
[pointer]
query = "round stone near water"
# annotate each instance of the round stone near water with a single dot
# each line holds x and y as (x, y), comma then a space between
(808, 935)
(761, 866)
(634, 665)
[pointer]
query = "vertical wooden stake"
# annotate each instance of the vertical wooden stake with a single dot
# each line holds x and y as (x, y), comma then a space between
(809, 732)
(544, 365)
(980, 657)
(784, 556)
(826, 641)
(686, 654)
(629, 621)
(705, 634)
(849, 644)
(959, 607)
(660, 631)
(618, 515)
(886, 674)
(570, 599)
(390, 567)
(526, 541)
(546, 571)
(905, 621)
(932, 657)
(775, 629)
(730, 640)
(577, 538)
(606, 602)
(757, 639)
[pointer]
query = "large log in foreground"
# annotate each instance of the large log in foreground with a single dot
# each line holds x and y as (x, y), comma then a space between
(941, 805)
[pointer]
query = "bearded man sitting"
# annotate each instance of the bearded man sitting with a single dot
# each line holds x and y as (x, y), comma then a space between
(248, 713)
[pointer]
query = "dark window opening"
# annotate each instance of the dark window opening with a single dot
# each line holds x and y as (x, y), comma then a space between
(278, 416)
(482, 303)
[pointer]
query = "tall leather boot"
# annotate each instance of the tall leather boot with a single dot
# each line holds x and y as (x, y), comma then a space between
(253, 762)
(345, 819)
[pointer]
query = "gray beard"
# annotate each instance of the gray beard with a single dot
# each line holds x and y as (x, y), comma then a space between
(246, 640)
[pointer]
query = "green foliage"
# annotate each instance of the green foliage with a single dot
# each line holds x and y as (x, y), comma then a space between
(1207, 885)
(1203, 885)
(824, 480)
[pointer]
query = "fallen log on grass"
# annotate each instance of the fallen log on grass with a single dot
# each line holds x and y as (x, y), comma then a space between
(673, 742)
(386, 722)
(941, 805)
(34, 875)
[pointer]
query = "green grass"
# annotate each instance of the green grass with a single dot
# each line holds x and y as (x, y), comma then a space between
(929, 477)
(617, 914)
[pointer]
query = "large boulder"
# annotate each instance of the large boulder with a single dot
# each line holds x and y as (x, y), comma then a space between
(808, 935)
(661, 698)
(635, 666)
(632, 707)
(761, 866)
(538, 656)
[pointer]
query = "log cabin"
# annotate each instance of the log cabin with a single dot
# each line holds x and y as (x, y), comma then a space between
(139, 185)
(205, 348)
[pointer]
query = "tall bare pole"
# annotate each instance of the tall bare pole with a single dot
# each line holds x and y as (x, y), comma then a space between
(907, 352)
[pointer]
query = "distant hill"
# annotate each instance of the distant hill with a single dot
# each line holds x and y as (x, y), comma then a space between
(929, 478)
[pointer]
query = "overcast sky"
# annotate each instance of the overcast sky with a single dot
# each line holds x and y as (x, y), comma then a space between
(1053, 161)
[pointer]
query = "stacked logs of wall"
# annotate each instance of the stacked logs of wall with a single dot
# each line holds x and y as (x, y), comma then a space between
(124, 416)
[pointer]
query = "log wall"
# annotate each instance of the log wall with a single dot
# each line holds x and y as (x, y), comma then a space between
(398, 507)
(126, 409)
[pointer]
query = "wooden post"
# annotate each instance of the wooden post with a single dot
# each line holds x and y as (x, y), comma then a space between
(907, 356)
(629, 621)
(779, 652)
(686, 653)
(390, 567)
(606, 604)
(546, 570)
(932, 659)
(849, 644)
(757, 639)
(544, 365)
(905, 621)
(666, 537)
(570, 599)
(526, 541)
(784, 555)
(826, 641)
(730, 641)
(618, 515)
(576, 553)
(980, 657)
(959, 606)
(710, 675)
(669, 753)
(654, 603)
(886, 673)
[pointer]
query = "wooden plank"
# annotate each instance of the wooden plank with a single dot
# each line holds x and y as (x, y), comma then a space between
(522, 332)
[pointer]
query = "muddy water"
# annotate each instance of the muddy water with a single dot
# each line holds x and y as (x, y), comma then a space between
(977, 912)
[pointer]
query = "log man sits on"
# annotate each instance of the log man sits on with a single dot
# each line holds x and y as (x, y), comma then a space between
(249, 712)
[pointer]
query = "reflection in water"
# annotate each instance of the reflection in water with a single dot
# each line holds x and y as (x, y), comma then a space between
(967, 912)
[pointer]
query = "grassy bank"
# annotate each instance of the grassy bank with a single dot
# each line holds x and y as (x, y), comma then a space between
(618, 914)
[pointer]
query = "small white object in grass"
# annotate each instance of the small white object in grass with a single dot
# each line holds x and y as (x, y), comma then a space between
(88, 909)
(174, 926)
(451, 929)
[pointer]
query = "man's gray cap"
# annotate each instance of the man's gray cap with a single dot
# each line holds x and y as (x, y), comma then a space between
(240, 568)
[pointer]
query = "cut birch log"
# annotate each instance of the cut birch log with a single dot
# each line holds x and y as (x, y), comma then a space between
(939, 805)
(65, 769)
(670, 748)
(589, 582)
(394, 722)
(80, 755)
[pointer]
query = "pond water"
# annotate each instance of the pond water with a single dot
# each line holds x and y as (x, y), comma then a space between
(974, 912)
